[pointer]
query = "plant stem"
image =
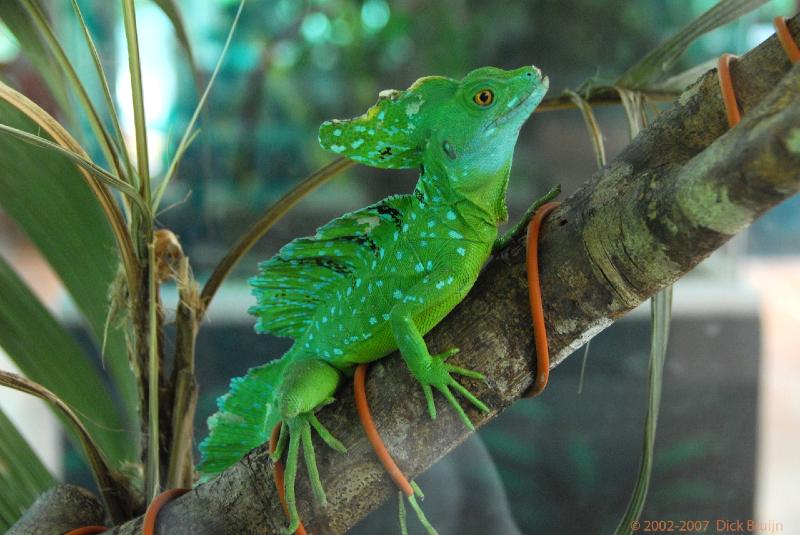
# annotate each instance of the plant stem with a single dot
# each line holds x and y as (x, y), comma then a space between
(134, 66)
(152, 483)
(143, 224)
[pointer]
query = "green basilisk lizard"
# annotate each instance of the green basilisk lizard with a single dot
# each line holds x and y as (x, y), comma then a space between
(377, 279)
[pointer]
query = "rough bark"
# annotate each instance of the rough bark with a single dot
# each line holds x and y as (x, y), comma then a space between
(680, 190)
(58, 510)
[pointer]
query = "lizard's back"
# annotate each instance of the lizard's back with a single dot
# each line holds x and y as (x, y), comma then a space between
(334, 292)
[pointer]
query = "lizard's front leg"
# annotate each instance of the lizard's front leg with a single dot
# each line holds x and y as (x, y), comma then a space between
(432, 371)
(503, 241)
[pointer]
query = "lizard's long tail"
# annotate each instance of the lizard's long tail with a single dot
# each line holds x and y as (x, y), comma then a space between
(246, 416)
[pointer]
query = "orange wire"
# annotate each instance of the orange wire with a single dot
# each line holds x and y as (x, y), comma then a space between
(150, 516)
(787, 41)
(277, 471)
(362, 406)
(87, 530)
(726, 88)
(535, 296)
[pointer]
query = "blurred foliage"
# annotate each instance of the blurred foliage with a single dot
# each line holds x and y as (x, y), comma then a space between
(295, 63)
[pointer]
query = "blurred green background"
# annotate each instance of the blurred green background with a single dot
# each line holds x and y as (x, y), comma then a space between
(295, 63)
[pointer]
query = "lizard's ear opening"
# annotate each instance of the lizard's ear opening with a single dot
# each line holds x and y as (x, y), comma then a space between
(388, 135)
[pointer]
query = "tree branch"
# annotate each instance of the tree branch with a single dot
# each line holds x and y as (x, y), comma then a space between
(58, 510)
(679, 191)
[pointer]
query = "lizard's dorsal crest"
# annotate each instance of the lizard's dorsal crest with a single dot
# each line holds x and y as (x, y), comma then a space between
(391, 134)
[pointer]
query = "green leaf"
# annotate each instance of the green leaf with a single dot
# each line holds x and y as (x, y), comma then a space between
(655, 64)
(48, 355)
(22, 475)
(50, 200)
(660, 316)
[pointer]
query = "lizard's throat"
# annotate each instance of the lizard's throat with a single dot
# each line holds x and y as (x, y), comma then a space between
(484, 190)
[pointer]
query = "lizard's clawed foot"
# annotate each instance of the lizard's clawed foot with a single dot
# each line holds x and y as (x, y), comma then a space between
(412, 501)
(436, 373)
(297, 432)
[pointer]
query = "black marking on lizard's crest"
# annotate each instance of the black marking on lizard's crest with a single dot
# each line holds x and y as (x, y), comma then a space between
(364, 241)
(323, 262)
(394, 214)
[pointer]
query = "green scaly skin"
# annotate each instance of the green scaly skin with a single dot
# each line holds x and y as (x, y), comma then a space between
(377, 279)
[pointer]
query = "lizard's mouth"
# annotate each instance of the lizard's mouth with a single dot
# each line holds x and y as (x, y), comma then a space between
(523, 108)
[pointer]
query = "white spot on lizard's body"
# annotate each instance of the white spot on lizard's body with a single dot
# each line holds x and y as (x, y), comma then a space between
(371, 221)
(357, 143)
(413, 107)
(337, 148)
(455, 235)
(451, 215)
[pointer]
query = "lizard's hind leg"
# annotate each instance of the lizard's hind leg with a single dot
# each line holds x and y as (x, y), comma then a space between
(307, 385)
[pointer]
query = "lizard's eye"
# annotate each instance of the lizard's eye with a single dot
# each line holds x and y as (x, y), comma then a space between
(484, 97)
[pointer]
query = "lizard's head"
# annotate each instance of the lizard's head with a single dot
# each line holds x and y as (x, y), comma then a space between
(441, 118)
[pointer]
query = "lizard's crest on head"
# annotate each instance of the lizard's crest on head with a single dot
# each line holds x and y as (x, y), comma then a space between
(392, 133)
(489, 105)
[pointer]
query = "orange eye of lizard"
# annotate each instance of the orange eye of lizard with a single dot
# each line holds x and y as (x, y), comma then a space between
(484, 97)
